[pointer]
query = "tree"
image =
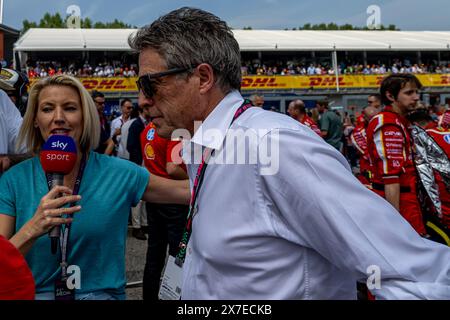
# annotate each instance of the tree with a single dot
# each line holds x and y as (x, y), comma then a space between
(56, 21)
(306, 26)
(347, 26)
(86, 23)
(27, 25)
(52, 21)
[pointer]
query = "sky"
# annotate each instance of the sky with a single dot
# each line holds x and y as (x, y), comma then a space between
(417, 15)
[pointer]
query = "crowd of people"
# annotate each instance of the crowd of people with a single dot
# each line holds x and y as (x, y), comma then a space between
(118, 69)
(292, 68)
(290, 222)
(105, 69)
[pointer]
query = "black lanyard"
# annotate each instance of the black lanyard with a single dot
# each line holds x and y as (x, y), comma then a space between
(64, 237)
(198, 181)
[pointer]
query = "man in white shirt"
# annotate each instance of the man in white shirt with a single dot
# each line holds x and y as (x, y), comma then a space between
(10, 123)
(116, 126)
(292, 222)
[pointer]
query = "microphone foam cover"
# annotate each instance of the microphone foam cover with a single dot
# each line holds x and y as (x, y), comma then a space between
(58, 154)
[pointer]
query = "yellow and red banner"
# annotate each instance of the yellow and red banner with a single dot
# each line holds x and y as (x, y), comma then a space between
(115, 84)
(120, 84)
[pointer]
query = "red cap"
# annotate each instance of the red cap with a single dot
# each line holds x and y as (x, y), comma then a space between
(16, 279)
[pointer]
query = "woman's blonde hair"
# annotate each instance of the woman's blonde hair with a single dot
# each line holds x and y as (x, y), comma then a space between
(31, 136)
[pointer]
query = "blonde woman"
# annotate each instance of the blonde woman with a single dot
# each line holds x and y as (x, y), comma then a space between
(97, 220)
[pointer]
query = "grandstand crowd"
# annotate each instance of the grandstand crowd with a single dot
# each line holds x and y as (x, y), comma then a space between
(40, 69)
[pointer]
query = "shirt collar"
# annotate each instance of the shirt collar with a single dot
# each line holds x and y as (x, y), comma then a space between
(212, 131)
(144, 121)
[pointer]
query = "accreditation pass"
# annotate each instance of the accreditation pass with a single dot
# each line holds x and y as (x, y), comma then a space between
(171, 283)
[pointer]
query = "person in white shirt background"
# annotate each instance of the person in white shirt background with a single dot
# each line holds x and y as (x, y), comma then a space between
(116, 127)
(300, 226)
(12, 87)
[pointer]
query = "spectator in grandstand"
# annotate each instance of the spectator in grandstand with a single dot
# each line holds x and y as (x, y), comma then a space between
(102, 189)
(257, 100)
(116, 126)
(257, 234)
(297, 111)
(106, 144)
(330, 125)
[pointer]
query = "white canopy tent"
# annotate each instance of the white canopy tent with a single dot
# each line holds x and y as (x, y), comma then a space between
(249, 40)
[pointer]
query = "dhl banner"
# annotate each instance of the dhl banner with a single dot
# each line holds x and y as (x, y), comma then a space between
(275, 82)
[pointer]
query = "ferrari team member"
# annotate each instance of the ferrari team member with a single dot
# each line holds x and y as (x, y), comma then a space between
(390, 148)
(165, 221)
(296, 110)
(433, 169)
(359, 140)
(444, 120)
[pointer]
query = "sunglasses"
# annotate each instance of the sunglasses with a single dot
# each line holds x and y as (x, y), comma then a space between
(148, 85)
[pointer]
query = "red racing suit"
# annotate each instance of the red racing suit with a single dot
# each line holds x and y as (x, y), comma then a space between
(444, 121)
(307, 121)
(442, 138)
(359, 140)
(390, 150)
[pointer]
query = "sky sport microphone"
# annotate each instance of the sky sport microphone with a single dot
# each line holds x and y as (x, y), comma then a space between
(58, 157)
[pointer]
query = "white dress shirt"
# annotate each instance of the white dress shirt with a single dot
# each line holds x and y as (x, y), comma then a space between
(309, 231)
(122, 151)
(10, 123)
(117, 123)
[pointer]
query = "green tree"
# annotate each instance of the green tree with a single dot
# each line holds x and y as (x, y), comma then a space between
(55, 21)
(27, 25)
(86, 23)
(52, 21)
(306, 26)
(332, 26)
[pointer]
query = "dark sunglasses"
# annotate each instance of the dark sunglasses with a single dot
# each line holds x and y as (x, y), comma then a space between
(148, 85)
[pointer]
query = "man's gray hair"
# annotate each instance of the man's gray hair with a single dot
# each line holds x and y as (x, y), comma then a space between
(187, 37)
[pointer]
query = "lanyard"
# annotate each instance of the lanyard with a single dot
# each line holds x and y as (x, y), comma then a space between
(198, 181)
(64, 237)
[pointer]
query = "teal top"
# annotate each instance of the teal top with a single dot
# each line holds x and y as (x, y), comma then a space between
(109, 187)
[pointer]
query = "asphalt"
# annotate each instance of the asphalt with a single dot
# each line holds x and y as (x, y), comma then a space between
(135, 262)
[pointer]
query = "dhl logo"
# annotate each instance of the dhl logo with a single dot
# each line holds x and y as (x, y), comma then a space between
(325, 81)
(261, 82)
(105, 84)
(445, 80)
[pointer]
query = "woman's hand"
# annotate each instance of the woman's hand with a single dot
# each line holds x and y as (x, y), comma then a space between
(49, 213)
